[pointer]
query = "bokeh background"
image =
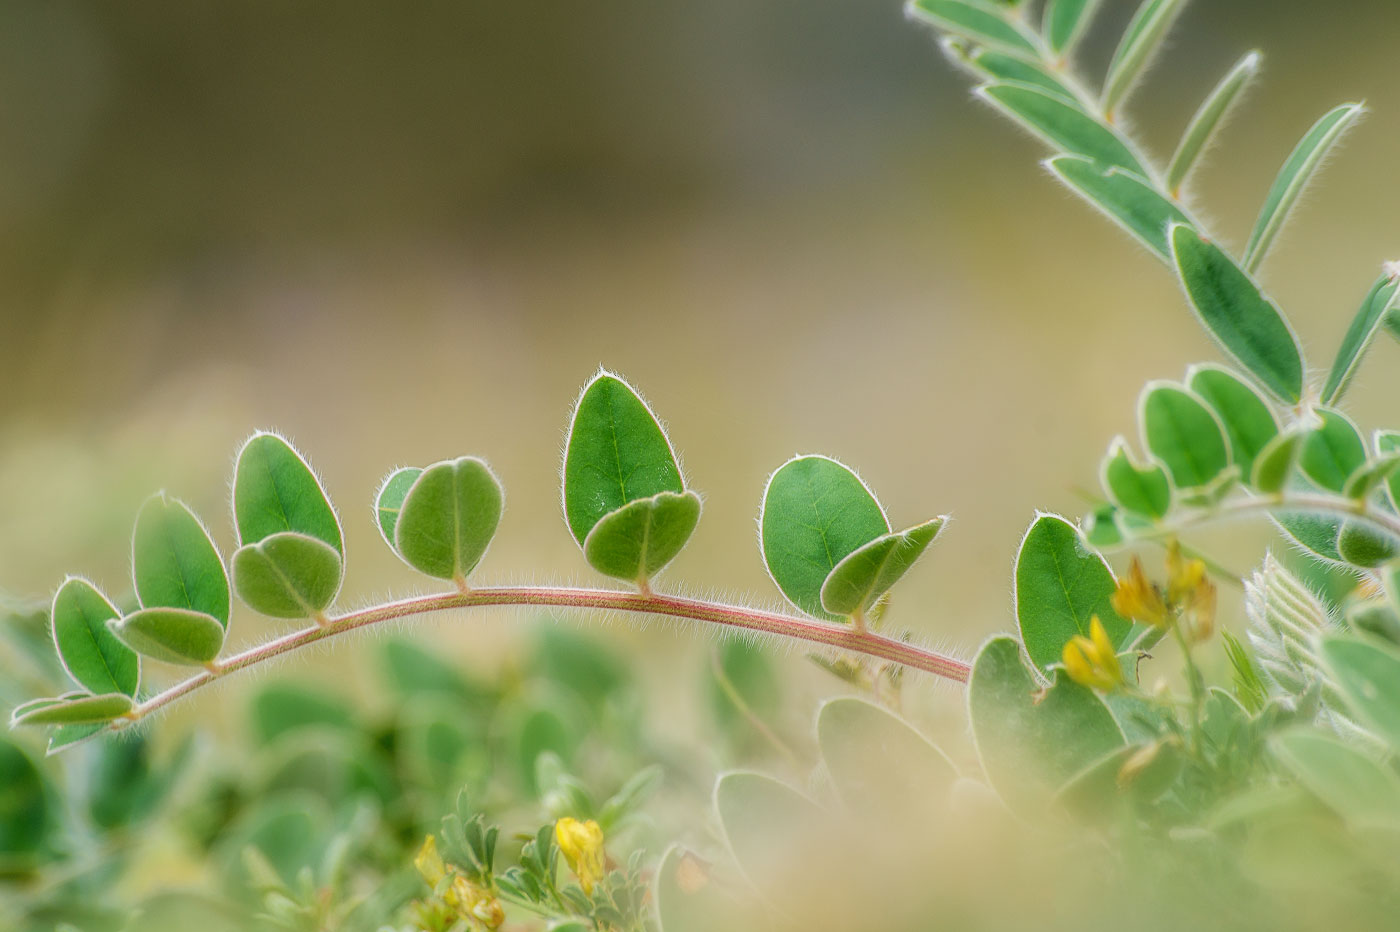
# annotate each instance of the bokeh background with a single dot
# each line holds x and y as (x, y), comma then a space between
(404, 232)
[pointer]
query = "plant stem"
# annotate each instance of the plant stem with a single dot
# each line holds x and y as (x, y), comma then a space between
(840, 637)
(1318, 503)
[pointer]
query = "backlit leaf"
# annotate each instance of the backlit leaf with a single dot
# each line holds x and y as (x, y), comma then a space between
(1141, 489)
(1208, 120)
(973, 22)
(865, 574)
(1379, 301)
(1060, 586)
(174, 563)
(1123, 197)
(448, 517)
(287, 575)
(173, 635)
(274, 490)
(1182, 434)
(390, 499)
(93, 657)
(1062, 125)
(77, 709)
(1065, 21)
(1140, 43)
(639, 539)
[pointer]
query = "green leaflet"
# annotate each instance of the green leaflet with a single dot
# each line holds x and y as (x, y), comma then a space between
(174, 563)
(66, 736)
(1367, 676)
(1101, 528)
(1246, 324)
(448, 517)
(1333, 451)
(1366, 479)
(29, 809)
(389, 500)
(1032, 740)
(1060, 586)
(1358, 788)
(879, 764)
(1388, 442)
(974, 22)
(1208, 119)
(1379, 301)
(865, 574)
(287, 575)
(1273, 466)
(1142, 490)
(815, 512)
(1061, 125)
(1248, 419)
(637, 540)
(1300, 168)
(1317, 533)
(617, 453)
(1136, 49)
(1362, 545)
(1003, 67)
(1098, 794)
(1064, 22)
(174, 635)
(687, 907)
(1183, 434)
(274, 490)
(74, 709)
(1123, 197)
(95, 659)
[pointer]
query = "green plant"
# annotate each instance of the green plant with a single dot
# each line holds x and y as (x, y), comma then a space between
(1301, 745)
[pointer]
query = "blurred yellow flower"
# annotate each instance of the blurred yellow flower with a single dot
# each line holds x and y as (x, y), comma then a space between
(1092, 661)
(1137, 598)
(582, 846)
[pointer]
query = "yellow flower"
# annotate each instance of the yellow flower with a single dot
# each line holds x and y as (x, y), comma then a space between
(463, 897)
(429, 862)
(1183, 576)
(1137, 598)
(1092, 661)
(582, 846)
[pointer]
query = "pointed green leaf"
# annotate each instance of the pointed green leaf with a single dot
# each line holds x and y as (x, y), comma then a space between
(1137, 48)
(1273, 466)
(389, 500)
(1300, 168)
(1358, 788)
(1143, 490)
(1333, 451)
(1006, 68)
(865, 574)
(174, 635)
(95, 659)
(1061, 125)
(639, 539)
(616, 454)
(1383, 298)
(1030, 739)
(274, 490)
(448, 517)
(1209, 119)
(815, 512)
(1061, 585)
(1367, 675)
(1123, 197)
(1246, 324)
(974, 22)
(1065, 21)
(75, 710)
(879, 764)
(287, 575)
(174, 563)
(1363, 545)
(1248, 420)
(1183, 434)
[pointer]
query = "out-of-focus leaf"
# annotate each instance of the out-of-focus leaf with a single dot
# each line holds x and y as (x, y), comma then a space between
(1208, 120)
(1062, 125)
(1123, 197)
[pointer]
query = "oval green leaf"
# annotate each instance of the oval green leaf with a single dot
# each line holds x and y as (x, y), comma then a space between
(389, 500)
(1061, 584)
(93, 657)
(1245, 323)
(1362, 545)
(1065, 21)
(174, 635)
(448, 518)
(1061, 125)
(1123, 197)
(274, 490)
(865, 574)
(74, 710)
(1031, 739)
(1141, 489)
(815, 512)
(973, 22)
(1367, 675)
(879, 763)
(640, 538)
(617, 453)
(1379, 302)
(1273, 466)
(1333, 451)
(287, 575)
(174, 562)
(1358, 788)
(1208, 120)
(1248, 419)
(1293, 178)
(1181, 433)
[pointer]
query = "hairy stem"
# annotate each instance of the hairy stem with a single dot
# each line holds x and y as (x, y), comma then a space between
(840, 637)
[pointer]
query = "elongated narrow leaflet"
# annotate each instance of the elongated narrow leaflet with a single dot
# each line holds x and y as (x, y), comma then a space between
(1380, 301)
(1140, 43)
(1122, 196)
(1062, 125)
(1065, 21)
(1209, 119)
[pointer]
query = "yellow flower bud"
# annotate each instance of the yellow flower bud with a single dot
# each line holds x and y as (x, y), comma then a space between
(1183, 576)
(1092, 661)
(429, 862)
(1137, 598)
(582, 846)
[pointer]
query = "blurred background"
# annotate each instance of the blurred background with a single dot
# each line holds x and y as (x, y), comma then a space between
(405, 232)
